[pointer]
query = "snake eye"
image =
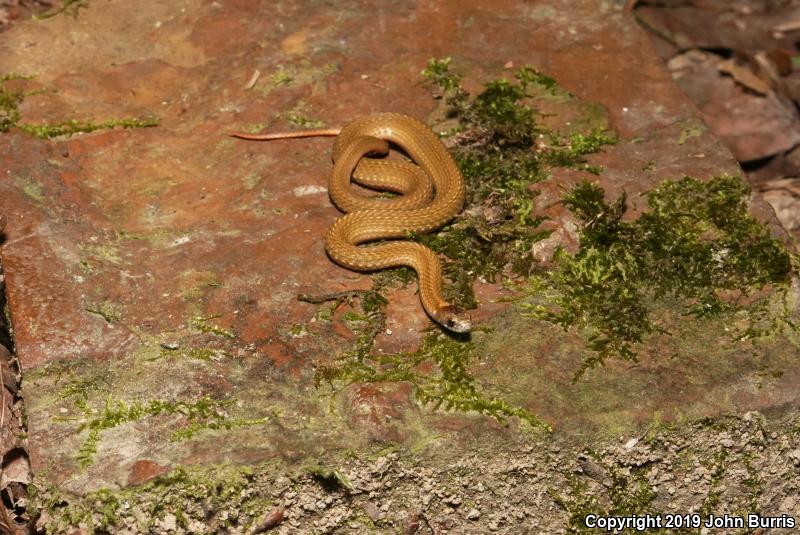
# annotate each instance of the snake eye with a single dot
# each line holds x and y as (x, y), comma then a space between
(451, 322)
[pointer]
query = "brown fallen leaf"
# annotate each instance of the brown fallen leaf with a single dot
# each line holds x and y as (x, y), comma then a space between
(781, 61)
(745, 76)
(784, 197)
(753, 125)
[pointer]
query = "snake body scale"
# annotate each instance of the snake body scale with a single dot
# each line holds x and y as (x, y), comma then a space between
(432, 193)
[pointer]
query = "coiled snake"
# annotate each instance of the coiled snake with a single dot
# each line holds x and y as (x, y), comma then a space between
(432, 193)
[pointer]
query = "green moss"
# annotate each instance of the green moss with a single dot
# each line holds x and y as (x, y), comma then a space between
(30, 188)
(438, 72)
(204, 325)
(188, 493)
(71, 7)
(15, 76)
(197, 353)
(691, 129)
(331, 479)
(451, 386)
(72, 126)
(717, 466)
(298, 118)
(625, 496)
(10, 100)
(297, 74)
(108, 310)
(297, 331)
(697, 244)
(104, 252)
(496, 146)
(570, 151)
(755, 484)
(9, 105)
(282, 77)
(81, 388)
(206, 413)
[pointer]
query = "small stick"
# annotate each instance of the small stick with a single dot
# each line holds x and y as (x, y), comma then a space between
(253, 79)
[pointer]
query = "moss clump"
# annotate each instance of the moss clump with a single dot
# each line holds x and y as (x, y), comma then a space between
(108, 310)
(497, 145)
(626, 496)
(204, 325)
(10, 117)
(30, 188)
(202, 497)
(9, 104)
(72, 127)
(299, 119)
(282, 77)
(196, 353)
(205, 413)
(297, 116)
(329, 478)
(697, 244)
(451, 386)
(71, 7)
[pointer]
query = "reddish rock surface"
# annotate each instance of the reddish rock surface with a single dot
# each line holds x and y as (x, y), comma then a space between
(164, 263)
(143, 471)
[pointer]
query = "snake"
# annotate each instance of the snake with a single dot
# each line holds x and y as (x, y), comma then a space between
(431, 193)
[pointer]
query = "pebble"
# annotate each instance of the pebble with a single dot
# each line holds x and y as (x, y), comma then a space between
(631, 443)
(453, 500)
(371, 510)
(473, 514)
(169, 522)
(788, 504)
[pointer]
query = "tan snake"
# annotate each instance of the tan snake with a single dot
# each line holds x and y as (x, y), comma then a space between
(369, 219)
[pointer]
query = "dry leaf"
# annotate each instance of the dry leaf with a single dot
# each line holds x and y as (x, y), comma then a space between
(781, 60)
(744, 75)
(16, 470)
(789, 26)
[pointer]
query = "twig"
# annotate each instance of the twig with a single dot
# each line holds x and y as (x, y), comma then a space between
(253, 79)
(789, 26)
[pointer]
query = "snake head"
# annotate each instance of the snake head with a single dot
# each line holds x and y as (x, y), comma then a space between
(454, 319)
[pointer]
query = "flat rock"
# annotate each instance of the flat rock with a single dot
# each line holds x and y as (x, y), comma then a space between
(152, 273)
